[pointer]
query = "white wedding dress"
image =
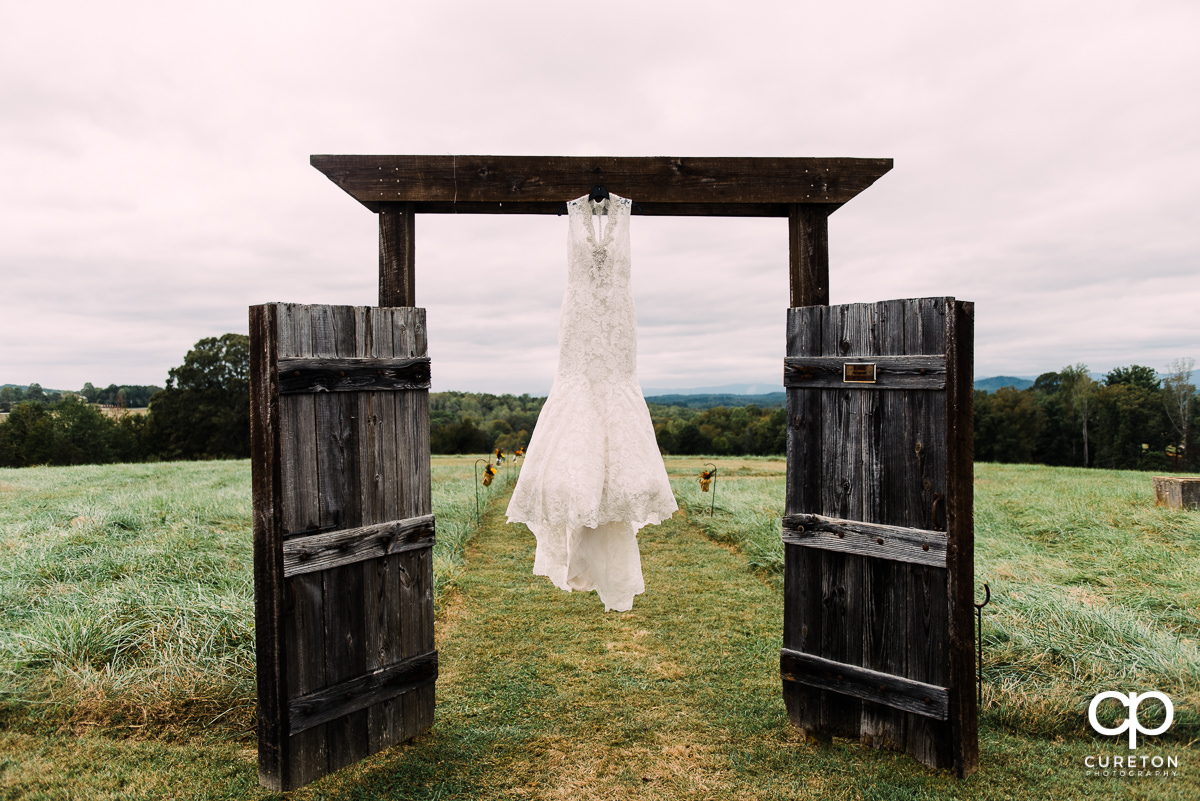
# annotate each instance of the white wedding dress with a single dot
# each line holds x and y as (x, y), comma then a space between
(593, 475)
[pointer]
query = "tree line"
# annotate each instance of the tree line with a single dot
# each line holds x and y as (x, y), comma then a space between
(202, 413)
(1131, 419)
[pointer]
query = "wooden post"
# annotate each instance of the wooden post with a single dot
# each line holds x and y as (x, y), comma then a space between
(808, 251)
(397, 275)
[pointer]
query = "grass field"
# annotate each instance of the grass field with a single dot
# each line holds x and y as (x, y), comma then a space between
(126, 646)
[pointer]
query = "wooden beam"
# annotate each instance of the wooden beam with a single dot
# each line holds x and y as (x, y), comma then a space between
(351, 374)
(349, 545)
(361, 692)
(888, 372)
(870, 685)
(397, 259)
(808, 253)
(898, 543)
(540, 184)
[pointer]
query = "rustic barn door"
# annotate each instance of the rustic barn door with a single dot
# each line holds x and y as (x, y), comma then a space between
(343, 529)
(878, 529)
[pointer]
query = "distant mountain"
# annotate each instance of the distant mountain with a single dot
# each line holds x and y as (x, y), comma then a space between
(47, 390)
(724, 389)
(994, 383)
(764, 401)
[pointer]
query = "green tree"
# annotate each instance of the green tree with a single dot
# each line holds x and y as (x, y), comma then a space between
(1009, 423)
(1079, 388)
(27, 436)
(1179, 397)
(1130, 426)
(1134, 375)
(204, 412)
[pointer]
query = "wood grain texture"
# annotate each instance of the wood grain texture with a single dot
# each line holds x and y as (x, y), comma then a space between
(297, 376)
(897, 543)
(888, 466)
(362, 691)
(397, 255)
(960, 527)
(927, 658)
(1176, 492)
(802, 566)
(864, 684)
(808, 253)
(350, 545)
(891, 372)
(267, 488)
(304, 620)
(540, 184)
(885, 582)
(346, 474)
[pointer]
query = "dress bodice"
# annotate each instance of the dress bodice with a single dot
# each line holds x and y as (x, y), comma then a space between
(598, 327)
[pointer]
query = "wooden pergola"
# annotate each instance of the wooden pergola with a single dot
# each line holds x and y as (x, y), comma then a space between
(805, 190)
(877, 527)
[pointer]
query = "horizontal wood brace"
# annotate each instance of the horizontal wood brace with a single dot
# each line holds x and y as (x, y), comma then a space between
(890, 372)
(361, 692)
(897, 692)
(307, 375)
(735, 186)
(898, 543)
(347, 546)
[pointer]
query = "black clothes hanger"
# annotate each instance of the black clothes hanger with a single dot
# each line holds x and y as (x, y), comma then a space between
(599, 192)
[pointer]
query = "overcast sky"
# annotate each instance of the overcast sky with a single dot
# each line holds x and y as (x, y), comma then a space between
(154, 175)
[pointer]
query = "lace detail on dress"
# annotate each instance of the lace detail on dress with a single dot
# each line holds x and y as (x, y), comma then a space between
(593, 475)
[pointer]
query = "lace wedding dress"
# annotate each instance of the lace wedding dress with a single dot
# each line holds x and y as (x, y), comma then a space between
(593, 475)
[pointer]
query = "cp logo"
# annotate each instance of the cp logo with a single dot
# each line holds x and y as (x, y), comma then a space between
(1132, 701)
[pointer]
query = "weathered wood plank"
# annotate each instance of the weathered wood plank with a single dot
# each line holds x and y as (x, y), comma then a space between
(885, 582)
(802, 567)
(414, 569)
(540, 184)
(927, 658)
(305, 627)
(349, 545)
(268, 526)
(303, 614)
(334, 331)
(301, 504)
(847, 333)
(869, 685)
(356, 694)
(397, 255)
(381, 487)
(960, 528)
(1176, 492)
(898, 543)
(352, 375)
(808, 253)
(891, 372)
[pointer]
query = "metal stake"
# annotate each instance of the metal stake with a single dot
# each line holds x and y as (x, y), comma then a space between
(979, 639)
(477, 461)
